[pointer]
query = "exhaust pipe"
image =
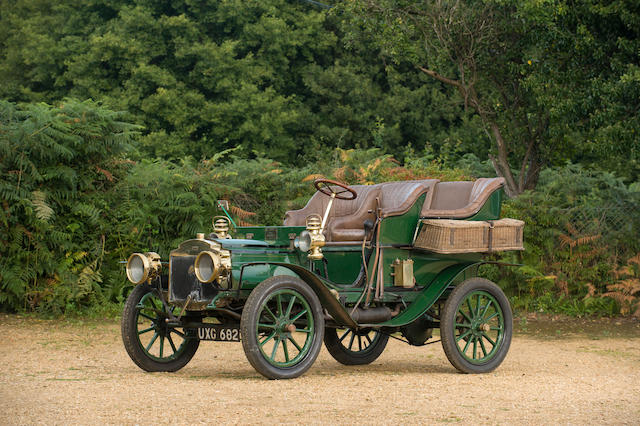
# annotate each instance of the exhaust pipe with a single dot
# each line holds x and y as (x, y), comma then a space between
(374, 315)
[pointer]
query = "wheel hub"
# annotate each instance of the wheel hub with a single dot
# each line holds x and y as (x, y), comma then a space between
(160, 325)
(284, 328)
(478, 327)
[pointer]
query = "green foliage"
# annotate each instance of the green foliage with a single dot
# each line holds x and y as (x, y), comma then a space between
(548, 80)
(478, 50)
(249, 101)
(56, 162)
(271, 78)
(586, 71)
(580, 225)
(74, 206)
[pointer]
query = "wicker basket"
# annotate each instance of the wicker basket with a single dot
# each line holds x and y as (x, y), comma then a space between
(462, 236)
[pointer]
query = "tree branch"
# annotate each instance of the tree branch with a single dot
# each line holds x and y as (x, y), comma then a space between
(441, 78)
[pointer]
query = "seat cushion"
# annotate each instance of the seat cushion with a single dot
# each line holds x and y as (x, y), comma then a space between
(347, 234)
(443, 200)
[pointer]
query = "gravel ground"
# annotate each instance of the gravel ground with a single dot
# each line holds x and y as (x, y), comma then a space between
(60, 372)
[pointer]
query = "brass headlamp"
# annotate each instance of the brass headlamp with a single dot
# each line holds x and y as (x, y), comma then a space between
(212, 266)
(142, 267)
(314, 229)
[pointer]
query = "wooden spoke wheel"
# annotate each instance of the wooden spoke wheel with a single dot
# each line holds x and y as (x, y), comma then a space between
(355, 347)
(282, 327)
(476, 326)
(150, 342)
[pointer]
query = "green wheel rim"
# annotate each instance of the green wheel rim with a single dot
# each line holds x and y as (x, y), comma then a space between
(159, 341)
(479, 327)
(285, 328)
(358, 342)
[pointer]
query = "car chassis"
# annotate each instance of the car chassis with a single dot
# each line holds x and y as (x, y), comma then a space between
(351, 278)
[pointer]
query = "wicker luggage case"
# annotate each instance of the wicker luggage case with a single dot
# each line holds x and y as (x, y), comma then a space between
(462, 236)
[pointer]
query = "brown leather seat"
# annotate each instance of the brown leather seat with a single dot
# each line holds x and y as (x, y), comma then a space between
(453, 200)
(395, 199)
(398, 197)
(346, 219)
(457, 200)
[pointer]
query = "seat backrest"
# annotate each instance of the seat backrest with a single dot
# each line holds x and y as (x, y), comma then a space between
(341, 208)
(298, 217)
(460, 199)
(484, 186)
(451, 195)
(396, 198)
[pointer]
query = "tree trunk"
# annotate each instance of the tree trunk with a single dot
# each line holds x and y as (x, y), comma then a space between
(530, 167)
(501, 164)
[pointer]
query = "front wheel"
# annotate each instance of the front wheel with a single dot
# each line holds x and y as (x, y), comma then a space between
(152, 344)
(355, 347)
(282, 327)
(476, 326)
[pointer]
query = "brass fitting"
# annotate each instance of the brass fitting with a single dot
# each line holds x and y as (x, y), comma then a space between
(314, 227)
(221, 226)
(403, 273)
(212, 266)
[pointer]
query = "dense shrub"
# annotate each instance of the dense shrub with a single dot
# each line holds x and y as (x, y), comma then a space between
(74, 204)
(580, 226)
(56, 164)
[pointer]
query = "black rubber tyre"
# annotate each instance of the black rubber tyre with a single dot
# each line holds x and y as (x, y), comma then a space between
(355, 347)
(476, 314)
(282, 327)
(143, 314)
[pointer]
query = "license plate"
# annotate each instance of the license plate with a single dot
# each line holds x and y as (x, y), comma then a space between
(219, 333)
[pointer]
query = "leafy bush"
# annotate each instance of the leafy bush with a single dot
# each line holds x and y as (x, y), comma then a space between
(74, 205)
(56, 162)
(580, 225)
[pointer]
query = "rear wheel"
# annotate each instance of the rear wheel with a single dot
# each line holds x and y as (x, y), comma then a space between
(476, 326)
(355, 347)
(282, 327)
(150, 342)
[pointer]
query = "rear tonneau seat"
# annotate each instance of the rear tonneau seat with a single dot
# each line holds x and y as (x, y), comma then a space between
(398, 197)
(459, 200)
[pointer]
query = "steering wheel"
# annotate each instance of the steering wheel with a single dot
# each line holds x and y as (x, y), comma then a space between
(325, 186)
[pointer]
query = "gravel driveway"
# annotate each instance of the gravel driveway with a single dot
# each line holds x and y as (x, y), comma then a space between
(59, 372)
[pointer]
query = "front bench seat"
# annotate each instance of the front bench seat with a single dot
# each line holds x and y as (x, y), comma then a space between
(459, 200)
(347, 217)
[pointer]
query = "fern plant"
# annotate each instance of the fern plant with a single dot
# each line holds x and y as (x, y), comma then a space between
(626, 290)
(55, 164)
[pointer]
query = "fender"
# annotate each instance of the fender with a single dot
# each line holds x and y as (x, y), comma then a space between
(428, 296)
(328, 300)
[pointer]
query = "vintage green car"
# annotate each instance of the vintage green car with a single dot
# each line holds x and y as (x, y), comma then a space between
(357, 265)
